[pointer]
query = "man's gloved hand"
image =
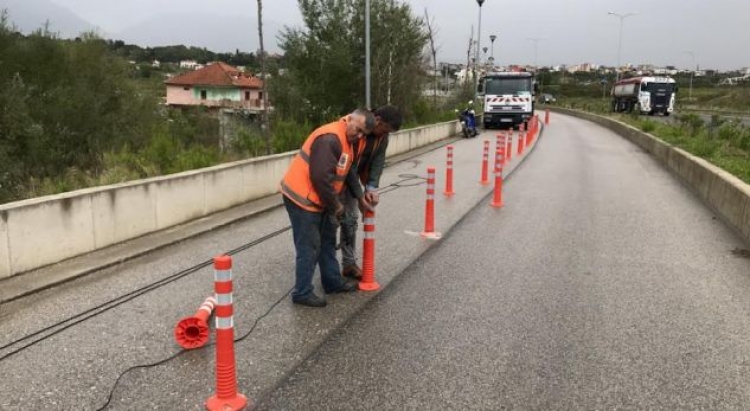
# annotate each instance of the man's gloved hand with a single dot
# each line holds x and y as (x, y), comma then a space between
(364, 206)
(372, 197)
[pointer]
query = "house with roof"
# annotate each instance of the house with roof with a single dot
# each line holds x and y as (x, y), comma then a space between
(217, 85)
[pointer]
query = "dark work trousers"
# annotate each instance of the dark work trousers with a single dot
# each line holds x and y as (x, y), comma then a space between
(315, 244)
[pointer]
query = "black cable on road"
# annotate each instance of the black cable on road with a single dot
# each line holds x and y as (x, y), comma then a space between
(391, 187)
(407, 180)
(63, 325)
(178, 353)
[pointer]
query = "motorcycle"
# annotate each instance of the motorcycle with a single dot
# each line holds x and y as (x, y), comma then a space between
(468, 122)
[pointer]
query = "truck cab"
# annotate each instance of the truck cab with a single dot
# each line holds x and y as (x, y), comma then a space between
(508, 98)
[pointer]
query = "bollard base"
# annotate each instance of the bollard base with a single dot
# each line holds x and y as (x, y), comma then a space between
(448, 193)
(497, 205)
(371, 286)
(191, 332)
(240, 402)
(432, 236)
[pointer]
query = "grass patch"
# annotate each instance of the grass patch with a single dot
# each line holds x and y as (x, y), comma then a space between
(724, 144)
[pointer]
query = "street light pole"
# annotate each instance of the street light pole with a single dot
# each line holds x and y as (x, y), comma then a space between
(619, 47)
(536, 41)
(692, 71)
(479, 44)
(492, 51)
(368, 75)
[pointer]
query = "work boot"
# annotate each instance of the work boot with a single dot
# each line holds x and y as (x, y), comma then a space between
(347, 287)
(352, 271)
(311, 300)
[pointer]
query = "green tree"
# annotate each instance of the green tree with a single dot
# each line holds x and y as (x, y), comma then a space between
(325, 58)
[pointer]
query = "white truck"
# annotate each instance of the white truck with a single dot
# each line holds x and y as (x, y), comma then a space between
(644, 95)
(507, 98)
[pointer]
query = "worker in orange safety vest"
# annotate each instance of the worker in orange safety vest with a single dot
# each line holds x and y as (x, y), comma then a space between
(311, 190)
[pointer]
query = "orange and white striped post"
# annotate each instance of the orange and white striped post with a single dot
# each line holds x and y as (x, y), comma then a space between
(429, 212)
(449, 173)
(529, 136)
(485, 163)
(509, 146)
(520, 144)
(499, 143)
(368, 282)
(497, 194)
(192, 332)
(226, 398)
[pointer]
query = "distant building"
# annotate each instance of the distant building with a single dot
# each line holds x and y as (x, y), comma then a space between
(189, 64)
(216, 85)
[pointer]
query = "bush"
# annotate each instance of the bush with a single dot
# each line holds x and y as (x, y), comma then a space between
(648, 126)
(289, 135)
(692, 123)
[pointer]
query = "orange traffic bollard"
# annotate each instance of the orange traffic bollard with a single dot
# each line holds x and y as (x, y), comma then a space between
(497, 195)
(546, 116)
(449, 173)
(226, 398)
(528, 140)
(429, 212)
(509, 146)
(485, 162)
(368, 282)
(520, 144)
(500, 142)
(192, 332)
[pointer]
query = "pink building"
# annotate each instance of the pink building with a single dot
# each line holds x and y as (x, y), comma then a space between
(216, 85)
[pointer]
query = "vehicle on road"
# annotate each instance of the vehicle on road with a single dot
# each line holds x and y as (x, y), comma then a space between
(644, 95)
(507, 98)
(468, 121)
(547, 99)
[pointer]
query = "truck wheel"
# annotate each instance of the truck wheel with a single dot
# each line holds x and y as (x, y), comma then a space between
(666, 114)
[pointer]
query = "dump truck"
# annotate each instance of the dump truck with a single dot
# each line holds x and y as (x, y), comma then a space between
(507, 98)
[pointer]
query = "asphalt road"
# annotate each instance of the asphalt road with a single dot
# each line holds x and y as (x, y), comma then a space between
(604, 283)
(78, 368)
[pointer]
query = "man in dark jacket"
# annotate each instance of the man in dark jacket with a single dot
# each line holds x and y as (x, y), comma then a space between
(370, 166)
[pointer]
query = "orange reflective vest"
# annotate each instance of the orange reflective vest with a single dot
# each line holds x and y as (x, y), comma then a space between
(296, 184)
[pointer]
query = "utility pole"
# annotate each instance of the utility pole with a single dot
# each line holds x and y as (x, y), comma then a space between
(479, 44)
(692, 71)
(368, 75)
(264, 78)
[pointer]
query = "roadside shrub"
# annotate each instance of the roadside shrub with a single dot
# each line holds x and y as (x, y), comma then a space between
(692, 123)
(648, 126)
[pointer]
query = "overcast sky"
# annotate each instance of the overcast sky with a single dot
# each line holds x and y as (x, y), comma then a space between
(574, 31)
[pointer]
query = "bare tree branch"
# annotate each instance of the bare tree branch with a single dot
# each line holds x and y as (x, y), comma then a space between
(432, 33)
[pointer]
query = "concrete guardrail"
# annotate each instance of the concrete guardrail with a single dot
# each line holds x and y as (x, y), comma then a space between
(46, 230)
(726, 194)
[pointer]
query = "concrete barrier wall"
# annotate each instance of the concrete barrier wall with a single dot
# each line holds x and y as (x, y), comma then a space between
(46, 230)
(726, 194)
